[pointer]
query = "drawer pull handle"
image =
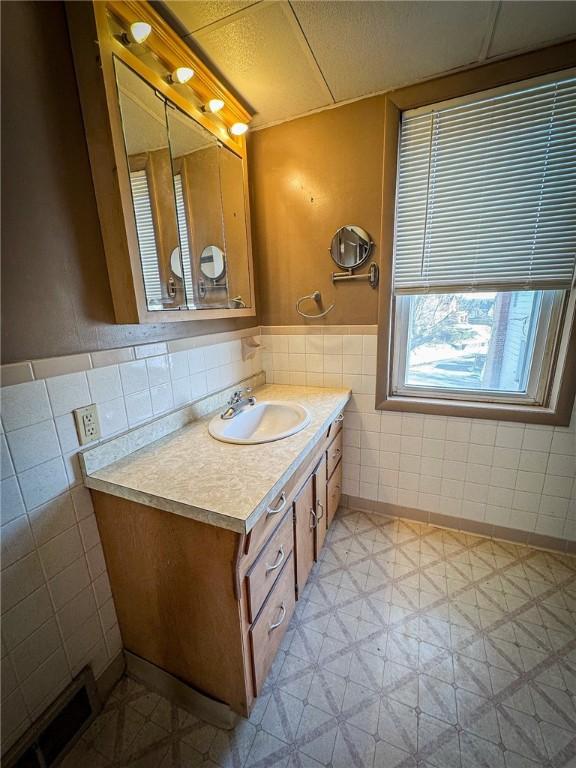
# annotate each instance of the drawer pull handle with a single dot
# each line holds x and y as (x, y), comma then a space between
(313, 519)
(321, 515)
(274, 626)
(337, 452)
(279, 560)
(280, 507)
(339, 419)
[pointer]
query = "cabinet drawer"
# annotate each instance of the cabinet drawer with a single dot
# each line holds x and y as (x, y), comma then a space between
(262, 575)
(334, 493)
(336, 426)
(267, 632)
(334, 453)
(270, 518)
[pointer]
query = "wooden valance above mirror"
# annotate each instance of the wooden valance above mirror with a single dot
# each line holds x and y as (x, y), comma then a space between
(168, 160)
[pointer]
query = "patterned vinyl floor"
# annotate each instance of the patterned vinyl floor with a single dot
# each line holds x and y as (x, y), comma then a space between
(411, 646)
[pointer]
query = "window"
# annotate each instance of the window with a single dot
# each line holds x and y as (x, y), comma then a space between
(484, 244)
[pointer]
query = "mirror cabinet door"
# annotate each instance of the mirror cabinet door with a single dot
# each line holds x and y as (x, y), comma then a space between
(195, 162)
(235, 228)
(147, 149)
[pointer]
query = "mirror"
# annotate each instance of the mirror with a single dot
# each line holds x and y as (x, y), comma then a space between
(189, 204)
(350, 247)
(194, 153)
(176, 263)
(213, 262)
(169, 175)
(148, 154)
(235, 229)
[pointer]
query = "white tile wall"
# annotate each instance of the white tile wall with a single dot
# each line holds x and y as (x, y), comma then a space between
(503, 473)
(57, 608)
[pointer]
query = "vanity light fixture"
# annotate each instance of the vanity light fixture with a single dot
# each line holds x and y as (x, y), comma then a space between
(181, 75)
(238, 129)
(138, 32)
(214, 105)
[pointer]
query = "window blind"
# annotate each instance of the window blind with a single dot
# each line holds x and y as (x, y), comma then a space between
(184, 241)
(146, 235)
(486, 192)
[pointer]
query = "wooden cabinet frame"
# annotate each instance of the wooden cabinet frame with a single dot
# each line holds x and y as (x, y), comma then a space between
(198, 601)
(95, 42)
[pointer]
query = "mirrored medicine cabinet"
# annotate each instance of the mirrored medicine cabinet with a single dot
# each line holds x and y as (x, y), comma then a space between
(169, 174)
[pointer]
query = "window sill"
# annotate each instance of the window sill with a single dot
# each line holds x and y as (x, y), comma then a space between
(529, 414)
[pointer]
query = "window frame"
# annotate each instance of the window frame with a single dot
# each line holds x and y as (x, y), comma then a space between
(544, 331)
(556, 406)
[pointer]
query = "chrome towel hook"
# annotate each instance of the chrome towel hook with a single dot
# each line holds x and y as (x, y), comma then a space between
(317, 297)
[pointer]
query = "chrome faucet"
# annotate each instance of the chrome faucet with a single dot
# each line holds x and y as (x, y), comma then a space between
(239, 400)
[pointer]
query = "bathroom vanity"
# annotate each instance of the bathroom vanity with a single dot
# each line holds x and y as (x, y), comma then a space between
(208, 544)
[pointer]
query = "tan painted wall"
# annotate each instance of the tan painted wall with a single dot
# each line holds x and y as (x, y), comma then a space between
(55, 294)
(309, 177)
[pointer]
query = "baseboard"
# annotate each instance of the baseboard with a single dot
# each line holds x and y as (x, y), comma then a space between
(106, 681)
(478, 527)
(214, 712)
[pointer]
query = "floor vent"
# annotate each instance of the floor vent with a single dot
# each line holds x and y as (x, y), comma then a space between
(48, 741)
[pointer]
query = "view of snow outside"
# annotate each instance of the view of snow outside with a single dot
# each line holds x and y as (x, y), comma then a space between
(480, 341)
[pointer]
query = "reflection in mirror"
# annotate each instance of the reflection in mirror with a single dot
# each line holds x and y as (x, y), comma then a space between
(350, 247)
(146, 140)
(176, 263)
(195, 161)
(213, 262)
(235, 227)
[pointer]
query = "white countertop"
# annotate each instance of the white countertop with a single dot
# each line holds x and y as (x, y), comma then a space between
(230, 486)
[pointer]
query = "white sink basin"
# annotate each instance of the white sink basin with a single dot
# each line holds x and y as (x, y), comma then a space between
(261, 423)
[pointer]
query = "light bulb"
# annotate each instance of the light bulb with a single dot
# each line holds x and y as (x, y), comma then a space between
(238, 129)
(181, 75)
(139, 32)
(215, 105)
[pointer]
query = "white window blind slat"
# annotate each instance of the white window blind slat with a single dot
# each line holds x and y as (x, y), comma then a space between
(146, 236)
(184, 240)
(486, 192)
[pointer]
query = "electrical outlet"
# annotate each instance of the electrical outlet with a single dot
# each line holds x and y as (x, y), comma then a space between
(87, 424)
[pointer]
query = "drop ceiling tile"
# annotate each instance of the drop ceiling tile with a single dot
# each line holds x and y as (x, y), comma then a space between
(365, 47)
(195, 14)
(264, 56)
(522, 25)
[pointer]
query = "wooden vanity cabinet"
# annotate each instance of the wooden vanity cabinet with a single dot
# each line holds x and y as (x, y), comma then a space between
(304, 532)
(334, 492)
(209, 605)
(320, 496)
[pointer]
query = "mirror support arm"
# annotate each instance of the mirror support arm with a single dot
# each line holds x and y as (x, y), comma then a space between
(372, 275)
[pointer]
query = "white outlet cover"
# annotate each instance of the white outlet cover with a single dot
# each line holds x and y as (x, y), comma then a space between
(87, 424)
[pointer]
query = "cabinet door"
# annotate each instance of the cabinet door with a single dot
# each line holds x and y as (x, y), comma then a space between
(334, 493)
(321, 508)
(304, 532)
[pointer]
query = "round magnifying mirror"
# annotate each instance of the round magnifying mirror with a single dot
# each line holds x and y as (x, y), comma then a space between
(213, 262)
(351, 246)
(175, 263)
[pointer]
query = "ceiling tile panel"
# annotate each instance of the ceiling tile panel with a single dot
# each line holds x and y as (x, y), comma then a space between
(264, 56)
(365, 47)
(199, 13)
(522, 25)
